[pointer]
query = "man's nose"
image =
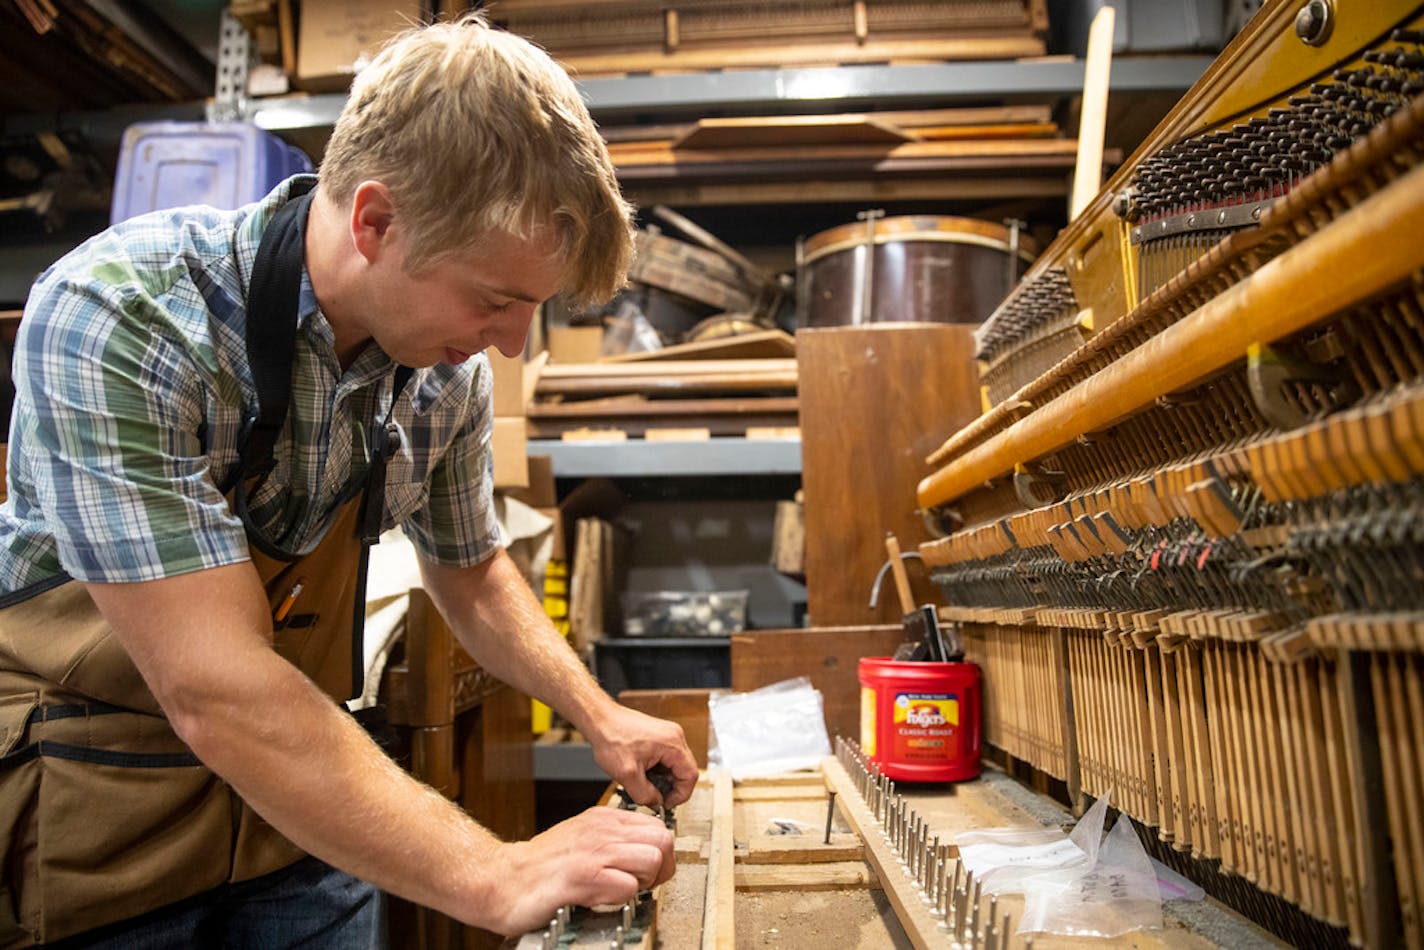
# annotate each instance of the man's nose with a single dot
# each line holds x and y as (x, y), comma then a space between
(509, 336)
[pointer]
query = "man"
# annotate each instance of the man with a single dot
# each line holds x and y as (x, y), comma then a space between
(209, 419)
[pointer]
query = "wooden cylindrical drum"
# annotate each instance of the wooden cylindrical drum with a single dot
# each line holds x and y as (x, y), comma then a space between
(924, 269)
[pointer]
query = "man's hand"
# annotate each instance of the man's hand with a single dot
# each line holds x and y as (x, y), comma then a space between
(627, 743)
(601, 856)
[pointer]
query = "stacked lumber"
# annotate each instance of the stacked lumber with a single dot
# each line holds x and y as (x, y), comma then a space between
(599, 37)
(659, 395)
(922, 154)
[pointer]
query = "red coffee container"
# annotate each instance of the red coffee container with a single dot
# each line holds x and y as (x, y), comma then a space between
(919, 722)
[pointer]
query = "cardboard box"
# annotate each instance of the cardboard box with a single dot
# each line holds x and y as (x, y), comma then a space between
(511, 461)
(508, 383)
(338, 36)
(575, 344)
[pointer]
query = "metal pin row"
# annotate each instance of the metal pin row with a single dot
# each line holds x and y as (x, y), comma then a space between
(948, 889)
(559, 925)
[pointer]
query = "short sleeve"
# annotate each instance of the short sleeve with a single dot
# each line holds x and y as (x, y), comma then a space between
(110, 406)
(457, 525)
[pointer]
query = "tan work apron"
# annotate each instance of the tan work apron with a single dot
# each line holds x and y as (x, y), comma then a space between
(104, 812)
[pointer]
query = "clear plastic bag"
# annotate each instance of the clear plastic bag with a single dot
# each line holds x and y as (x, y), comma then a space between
(1080, 884)
(1117, 894)
(1003, 859)
(628, 330)
(778, 728)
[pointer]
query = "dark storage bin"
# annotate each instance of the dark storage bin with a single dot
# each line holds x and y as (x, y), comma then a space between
(663, 663)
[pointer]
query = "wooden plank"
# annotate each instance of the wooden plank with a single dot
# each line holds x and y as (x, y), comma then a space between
(789, 54)
(784, 131)
(635, 415)
(805, 877)
(1409, 719)
(1088, 172)
(1066, 707)
(719, 930)
(1003, 150)
(1400, 798)
(592, 434)
(681, 434)
(1300, 785)
(779, 780)
(1008, 130)
(1203, 795)
(1323, 785)
(1361, 741)
(912, 385)
(828, 656)
(676, 384)
(971, 115)
(800, 849)
(616, 135)
(811, 790)
(629, 407)
(960, 181)
(761, 344)
(773, 433)
(686, 368)
(687, 848)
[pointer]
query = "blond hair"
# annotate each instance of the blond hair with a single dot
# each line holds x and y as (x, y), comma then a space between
(476, 131)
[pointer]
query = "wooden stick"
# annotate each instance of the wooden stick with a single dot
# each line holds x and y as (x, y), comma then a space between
(1204, 794)
(1411, 718)
(1401, 794)
(1093, 115)
(719, 930)
(1301, 784)
(1068, 712)
(897, 571)
(769, 367)
(1221, 763)
(1378, 909)
(1348, 862)
(1311, 682)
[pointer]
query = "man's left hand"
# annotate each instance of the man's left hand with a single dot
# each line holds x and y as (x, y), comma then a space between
(627, 744)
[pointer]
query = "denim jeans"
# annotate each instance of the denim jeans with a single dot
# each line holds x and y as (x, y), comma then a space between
(309, 905)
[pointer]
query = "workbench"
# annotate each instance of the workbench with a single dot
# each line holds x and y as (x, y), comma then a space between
(798, 891)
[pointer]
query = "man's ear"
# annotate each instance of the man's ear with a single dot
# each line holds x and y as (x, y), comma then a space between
(372, 216)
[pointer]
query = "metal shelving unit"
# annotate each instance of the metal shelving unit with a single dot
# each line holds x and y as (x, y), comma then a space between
(637, 457)
(812, 90)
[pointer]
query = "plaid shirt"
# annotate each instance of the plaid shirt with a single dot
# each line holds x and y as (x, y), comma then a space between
(132, 383)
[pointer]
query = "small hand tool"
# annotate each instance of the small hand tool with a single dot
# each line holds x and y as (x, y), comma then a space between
(925, 640)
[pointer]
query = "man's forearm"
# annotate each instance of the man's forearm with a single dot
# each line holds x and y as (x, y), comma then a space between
(502, 625)
(291, 752)
(497, 618)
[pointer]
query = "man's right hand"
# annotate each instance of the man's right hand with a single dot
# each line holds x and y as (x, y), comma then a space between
(602, 856)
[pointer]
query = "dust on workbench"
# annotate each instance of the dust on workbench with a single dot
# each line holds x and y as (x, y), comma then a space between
(818, 920)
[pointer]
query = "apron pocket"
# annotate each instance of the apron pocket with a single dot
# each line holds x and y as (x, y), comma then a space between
(105, 836)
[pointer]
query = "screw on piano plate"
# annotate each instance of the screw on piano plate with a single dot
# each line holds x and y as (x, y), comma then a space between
(1314, 22)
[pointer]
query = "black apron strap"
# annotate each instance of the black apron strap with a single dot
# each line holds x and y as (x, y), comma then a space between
(272, 302)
